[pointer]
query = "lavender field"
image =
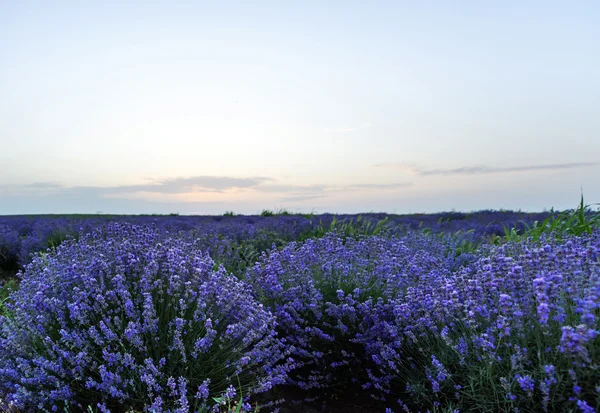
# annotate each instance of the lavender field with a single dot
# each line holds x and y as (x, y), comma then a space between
(427, 247)
(491, 311)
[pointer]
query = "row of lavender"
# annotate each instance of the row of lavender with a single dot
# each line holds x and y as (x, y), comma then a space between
(22, 236)
(515, 329)
(142, 317)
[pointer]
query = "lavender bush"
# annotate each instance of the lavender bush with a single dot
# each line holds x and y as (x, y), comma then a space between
(254, 234)
(518, 330)
(130, 317)
(331, 295)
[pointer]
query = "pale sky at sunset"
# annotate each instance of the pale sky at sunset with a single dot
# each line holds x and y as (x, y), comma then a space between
(338, 106)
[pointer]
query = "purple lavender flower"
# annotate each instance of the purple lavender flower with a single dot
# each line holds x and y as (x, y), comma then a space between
(526, 383)
(114, 316)
(585, 407)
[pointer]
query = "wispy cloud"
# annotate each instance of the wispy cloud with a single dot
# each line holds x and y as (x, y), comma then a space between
(306, 192)
(171, 189)
(483, 169)
(380, 186)
(205, 194)
(276, 188)
(296, 193)
(168, 186)
(44, 185)
(185, 185)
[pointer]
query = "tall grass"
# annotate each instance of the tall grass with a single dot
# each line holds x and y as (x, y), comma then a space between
(271, 213)
(351, 227)
(579, 221)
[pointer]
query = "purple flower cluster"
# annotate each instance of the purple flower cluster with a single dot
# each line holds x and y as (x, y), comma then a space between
(24, 236)
(147, 316)
(130, 316)
(511, 313)
(224, 234)
(331, 298)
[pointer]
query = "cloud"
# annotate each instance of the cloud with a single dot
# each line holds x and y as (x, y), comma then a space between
(307, 192)
(169, 186)
(322, 189)
(44, 185)
(380, 186)
(165, 194)
(296, 193)
(483, 169)
(173, 186)
(291, 188)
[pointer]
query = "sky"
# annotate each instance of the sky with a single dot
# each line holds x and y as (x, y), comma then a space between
(339, 106)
